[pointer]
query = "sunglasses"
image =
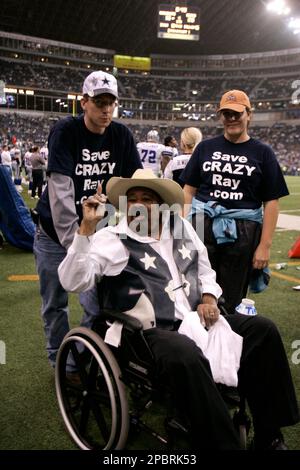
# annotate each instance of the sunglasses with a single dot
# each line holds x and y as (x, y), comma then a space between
(102, 102)
(232, 114)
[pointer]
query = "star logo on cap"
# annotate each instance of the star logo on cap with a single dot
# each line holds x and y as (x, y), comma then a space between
(105, 81)
(231, 98)
(148, 261)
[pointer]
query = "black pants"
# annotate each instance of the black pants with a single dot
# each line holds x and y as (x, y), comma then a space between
(37, 182)
(233, 261)
(182, 367)
(264, 378)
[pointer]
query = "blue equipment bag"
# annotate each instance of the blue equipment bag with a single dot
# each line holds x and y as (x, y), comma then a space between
(15, 221)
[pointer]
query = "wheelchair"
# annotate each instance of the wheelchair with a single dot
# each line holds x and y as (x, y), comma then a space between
(117, 387)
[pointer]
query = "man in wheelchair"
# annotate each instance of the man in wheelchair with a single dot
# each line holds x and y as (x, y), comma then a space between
(158, 271)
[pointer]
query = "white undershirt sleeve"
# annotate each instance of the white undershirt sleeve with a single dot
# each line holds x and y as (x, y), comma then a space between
(90, 258)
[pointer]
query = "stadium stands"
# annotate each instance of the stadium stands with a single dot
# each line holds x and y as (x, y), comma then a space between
(40, 75)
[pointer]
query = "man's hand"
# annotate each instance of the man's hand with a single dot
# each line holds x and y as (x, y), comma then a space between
(93, 210)
(208, 314)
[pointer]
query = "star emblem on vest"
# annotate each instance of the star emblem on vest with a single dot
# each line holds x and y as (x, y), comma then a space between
(105, 81)
(185, 252)
(170, 290)
(148, 261)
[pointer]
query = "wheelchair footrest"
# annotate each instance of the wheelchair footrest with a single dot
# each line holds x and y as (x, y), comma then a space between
(173, 425)
(139, 424)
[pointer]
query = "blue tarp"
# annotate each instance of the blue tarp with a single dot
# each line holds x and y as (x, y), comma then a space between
(15, 221)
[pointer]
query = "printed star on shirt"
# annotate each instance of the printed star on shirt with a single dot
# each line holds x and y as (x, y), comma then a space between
(148, 261)
(105, 81)
(185, 252)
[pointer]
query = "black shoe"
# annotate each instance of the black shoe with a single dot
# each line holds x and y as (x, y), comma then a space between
(278, 444)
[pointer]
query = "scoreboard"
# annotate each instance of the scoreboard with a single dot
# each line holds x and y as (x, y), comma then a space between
(178, 22)
(130, 62)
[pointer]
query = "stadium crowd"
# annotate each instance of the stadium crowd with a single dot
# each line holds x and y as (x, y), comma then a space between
(28, 130)
(150, 87)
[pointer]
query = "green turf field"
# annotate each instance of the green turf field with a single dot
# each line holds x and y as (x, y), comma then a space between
(291, 204)
(29, 415)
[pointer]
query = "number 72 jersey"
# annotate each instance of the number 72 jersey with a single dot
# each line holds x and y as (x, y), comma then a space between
(150, 154)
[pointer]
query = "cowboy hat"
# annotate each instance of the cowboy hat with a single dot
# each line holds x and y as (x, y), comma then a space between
(169, 191)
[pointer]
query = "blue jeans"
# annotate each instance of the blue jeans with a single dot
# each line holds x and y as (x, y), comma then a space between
(55, 312)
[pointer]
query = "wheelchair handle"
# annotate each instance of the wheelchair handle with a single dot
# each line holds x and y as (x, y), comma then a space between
(129, 322)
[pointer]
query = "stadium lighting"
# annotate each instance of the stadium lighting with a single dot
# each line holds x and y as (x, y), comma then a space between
(279, 7)
(294, 24)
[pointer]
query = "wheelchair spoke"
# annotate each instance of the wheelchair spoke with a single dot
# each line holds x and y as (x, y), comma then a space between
(99, 417)
(98, 399)
(92, 402)
(92, 374)
(79, 363)
(84, 418)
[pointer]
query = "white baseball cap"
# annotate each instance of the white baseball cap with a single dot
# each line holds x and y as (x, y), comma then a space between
(100, 82)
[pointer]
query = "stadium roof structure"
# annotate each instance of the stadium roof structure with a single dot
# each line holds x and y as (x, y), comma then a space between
(130, 26)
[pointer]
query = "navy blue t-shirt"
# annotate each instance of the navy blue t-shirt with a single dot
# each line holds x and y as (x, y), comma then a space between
(237, 176)
(87, 158)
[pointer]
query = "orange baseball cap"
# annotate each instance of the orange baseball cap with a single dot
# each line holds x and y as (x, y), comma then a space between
(236, 100)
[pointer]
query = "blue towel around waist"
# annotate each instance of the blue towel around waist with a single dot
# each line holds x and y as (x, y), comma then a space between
(224, 226)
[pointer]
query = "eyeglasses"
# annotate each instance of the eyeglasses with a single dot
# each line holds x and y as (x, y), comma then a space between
(101, 102)
(232, 114)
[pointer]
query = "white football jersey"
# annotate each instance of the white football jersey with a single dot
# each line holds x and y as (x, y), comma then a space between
(44, 152)
(171, 151)
(175, 167)
(150, 155)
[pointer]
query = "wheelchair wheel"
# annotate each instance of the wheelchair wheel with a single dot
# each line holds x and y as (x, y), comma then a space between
(94, 407)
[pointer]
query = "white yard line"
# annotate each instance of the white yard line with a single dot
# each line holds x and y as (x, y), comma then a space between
(290, 210)
(288, 222)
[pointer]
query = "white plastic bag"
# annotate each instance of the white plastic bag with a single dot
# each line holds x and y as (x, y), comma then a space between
(221, 346)
(224, 349)
(192, 327)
